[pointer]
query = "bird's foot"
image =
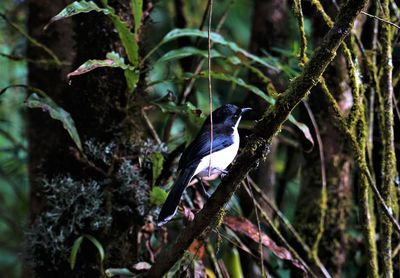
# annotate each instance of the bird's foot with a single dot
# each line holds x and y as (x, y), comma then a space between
(223, 173)
(203, 190)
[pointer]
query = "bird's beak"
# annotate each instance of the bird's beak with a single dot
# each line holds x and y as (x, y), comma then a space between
(244, 110)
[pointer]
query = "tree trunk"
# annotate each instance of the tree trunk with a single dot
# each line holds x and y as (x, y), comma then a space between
(326, 233)
(103, 192)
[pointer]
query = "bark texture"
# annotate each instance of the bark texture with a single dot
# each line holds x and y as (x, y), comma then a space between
(103, 193)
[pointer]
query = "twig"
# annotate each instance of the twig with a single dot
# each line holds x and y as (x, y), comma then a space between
(150, 126)
(381, 19)
(210, 103)
(192, 80)
(260, 244)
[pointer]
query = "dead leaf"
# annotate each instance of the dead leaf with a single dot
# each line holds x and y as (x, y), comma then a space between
(197, 249)
(244, 226)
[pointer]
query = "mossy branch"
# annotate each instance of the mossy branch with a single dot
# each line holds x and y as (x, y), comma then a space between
(303, 39)
(360, 158)
(348, 54)
(387, 135)
(366, 205)
(264, 131)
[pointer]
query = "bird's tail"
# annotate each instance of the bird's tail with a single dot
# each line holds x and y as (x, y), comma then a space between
(170, 206)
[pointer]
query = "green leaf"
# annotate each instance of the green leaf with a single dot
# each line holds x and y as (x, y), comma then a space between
(124, 272)
(158, 196)
(137, 11)
(128, 39)
(40, 99)
(157, 161)
(98, 246)
(232, 262)
(215, 38)
(74, 251)
(114, 60)
(239, 82)
(75, 8)
(172, 107)
(57, 113)
(132, 78)
(186, 52)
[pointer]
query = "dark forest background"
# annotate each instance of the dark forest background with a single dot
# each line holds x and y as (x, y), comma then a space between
(98, 99)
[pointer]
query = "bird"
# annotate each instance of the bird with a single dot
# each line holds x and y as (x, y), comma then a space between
(195, 159)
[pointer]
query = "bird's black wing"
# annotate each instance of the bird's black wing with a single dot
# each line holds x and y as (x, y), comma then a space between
(200, 147)
(170, 206)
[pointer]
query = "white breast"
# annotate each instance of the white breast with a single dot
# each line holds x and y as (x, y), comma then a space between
(220, 160)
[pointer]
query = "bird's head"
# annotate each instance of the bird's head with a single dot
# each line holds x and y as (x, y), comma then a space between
(229, 114)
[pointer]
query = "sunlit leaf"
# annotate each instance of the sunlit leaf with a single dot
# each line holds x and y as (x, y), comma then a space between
(57, 113)
(158, 196)
(244, 226)
(74, 251)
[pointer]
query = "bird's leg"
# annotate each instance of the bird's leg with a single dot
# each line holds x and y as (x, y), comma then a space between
(203, 190)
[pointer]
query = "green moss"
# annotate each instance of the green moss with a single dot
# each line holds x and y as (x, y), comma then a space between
(387, 136)
(303, 39)
(358, 145)
(321, 10)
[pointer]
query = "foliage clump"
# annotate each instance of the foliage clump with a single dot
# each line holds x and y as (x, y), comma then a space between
(100, 151)
(132, 189)
(73, 208)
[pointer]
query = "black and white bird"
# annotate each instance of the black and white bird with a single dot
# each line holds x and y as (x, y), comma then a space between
(195, 160)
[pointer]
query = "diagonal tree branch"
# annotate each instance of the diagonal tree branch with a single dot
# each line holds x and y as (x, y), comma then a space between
(265, 129)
